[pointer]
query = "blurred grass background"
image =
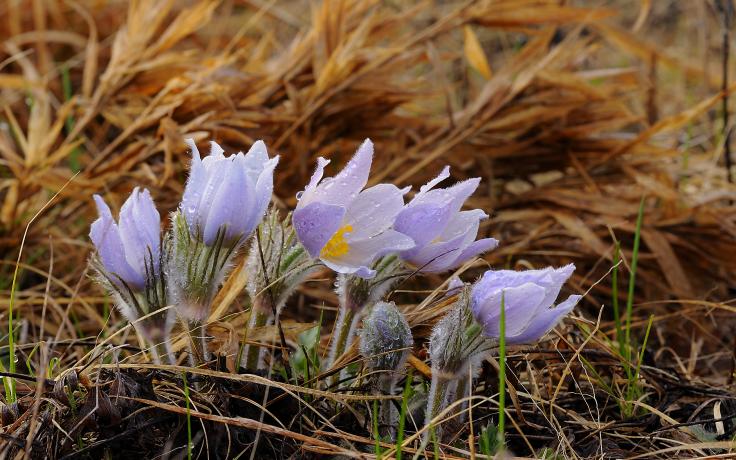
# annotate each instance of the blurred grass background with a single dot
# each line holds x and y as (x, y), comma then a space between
(571, 111)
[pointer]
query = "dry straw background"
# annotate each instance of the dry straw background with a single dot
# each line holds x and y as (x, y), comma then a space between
(571, 111)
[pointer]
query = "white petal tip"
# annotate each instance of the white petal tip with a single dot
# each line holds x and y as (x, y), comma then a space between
(215, 148)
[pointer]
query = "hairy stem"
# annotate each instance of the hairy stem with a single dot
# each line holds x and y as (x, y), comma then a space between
(259, 317)
(435, 403)
(198, 342)
(343, 326)
(387, 413)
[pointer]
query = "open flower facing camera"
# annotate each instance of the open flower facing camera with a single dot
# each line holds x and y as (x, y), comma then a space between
(347, 227)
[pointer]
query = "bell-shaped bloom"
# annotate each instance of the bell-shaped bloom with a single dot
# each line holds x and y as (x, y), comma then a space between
(444, 236)
(229, 193)
(129, 263)
(129, 250)
(345, 226)
(528, 298)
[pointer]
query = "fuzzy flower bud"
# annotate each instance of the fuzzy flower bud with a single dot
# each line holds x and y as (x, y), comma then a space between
(456, 338)
(277, 264)
(444, 236)
(385, 341)
(128, 260)
(385, 338)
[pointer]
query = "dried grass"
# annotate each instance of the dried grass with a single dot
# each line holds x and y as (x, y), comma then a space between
(570, 113)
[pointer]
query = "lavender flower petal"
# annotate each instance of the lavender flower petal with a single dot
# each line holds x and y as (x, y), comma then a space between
(232, 202)
(423, 223)
(316, 223)
(446, 252)
(195, 185)
(528, 297)
(477, 248)
(342, 189)
(140, 231)
(105, 235)
(255, 160)
(362, 253)
(374, 210)
(264, 192)
(521, 305)
(127, 263)
(345, 227)
(442, 234)
(544, 322)
(231, 192)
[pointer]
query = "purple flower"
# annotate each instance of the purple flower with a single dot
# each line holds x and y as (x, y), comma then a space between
(345, 226)
(444, 235)
(227, 192)
(127, 248)
(528, 298)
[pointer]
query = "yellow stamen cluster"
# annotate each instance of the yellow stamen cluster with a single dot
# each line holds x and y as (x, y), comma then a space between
(337, 246)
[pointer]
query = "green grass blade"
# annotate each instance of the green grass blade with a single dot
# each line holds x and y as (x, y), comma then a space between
(66, 87)
(402, 415)
(614, 294)
(189, 418)
(8, 382)
(643, 346)
(376, 435)
(632, 279)
(502, 372)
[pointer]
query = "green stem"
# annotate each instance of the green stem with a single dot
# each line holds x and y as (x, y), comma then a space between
(343, 326)
(614, 289)
(259, 317)
(502, 371)
(402, 415)
(632, 281)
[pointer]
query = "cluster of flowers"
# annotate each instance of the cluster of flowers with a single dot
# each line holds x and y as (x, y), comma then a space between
(369, 236)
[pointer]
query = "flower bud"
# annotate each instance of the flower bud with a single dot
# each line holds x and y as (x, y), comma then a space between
(385, 342)
(277, 262)
(385, 338)
(456, 338)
